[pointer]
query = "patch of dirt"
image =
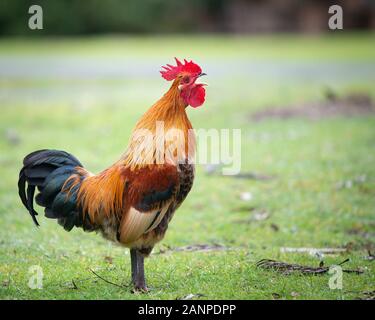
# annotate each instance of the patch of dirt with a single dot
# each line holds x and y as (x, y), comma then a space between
(252, 176)
(194, 247)
(314, 251)
(257, 215)
(350, 183)
(359, 245)
(215, 170)
(244, 209)
(361, 233)
(333, 106)
(363, 230)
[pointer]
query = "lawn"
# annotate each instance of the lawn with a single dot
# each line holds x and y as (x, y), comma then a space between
(85, 95)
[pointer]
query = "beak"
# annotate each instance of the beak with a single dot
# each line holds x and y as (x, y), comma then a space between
(202, 74)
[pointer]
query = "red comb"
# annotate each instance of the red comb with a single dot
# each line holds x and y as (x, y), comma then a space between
(170, 72)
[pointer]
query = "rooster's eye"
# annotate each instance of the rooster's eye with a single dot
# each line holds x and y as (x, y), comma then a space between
(185, 79)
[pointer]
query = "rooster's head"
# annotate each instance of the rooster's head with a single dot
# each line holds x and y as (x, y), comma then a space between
(185, 76)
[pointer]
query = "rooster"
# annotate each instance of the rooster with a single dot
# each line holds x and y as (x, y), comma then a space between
(131, 202)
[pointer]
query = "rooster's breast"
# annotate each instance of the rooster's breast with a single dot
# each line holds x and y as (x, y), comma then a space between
(186, 178)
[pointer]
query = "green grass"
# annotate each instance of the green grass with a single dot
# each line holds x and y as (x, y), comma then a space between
(309, 159)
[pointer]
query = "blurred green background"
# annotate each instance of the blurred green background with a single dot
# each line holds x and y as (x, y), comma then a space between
(301, 94)
(72, 17)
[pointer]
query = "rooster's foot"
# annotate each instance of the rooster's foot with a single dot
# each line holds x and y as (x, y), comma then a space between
(140, 289)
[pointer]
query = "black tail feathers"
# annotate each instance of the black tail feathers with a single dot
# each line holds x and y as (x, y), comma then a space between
(48, 171)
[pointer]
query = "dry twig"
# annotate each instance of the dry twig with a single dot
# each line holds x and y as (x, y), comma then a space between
(105, 280)
(288, 268)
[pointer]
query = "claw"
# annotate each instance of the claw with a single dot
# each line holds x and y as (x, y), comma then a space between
(140, 289)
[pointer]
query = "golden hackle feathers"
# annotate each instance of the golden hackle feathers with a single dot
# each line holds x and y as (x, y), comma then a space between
(169, 112)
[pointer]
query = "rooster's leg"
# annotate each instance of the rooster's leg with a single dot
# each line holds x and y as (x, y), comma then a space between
(133, 258)
(140, 282)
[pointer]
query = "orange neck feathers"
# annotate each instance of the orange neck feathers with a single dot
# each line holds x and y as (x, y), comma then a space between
(163, 135)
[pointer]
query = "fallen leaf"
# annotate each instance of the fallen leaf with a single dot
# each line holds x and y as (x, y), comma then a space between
(261, 215)
(276, 296)
(108, 259)
(191, 296)
(6, 283)
(274, 227)
(294, 294)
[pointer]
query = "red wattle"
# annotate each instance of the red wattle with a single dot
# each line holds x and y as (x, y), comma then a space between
(197, 96)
